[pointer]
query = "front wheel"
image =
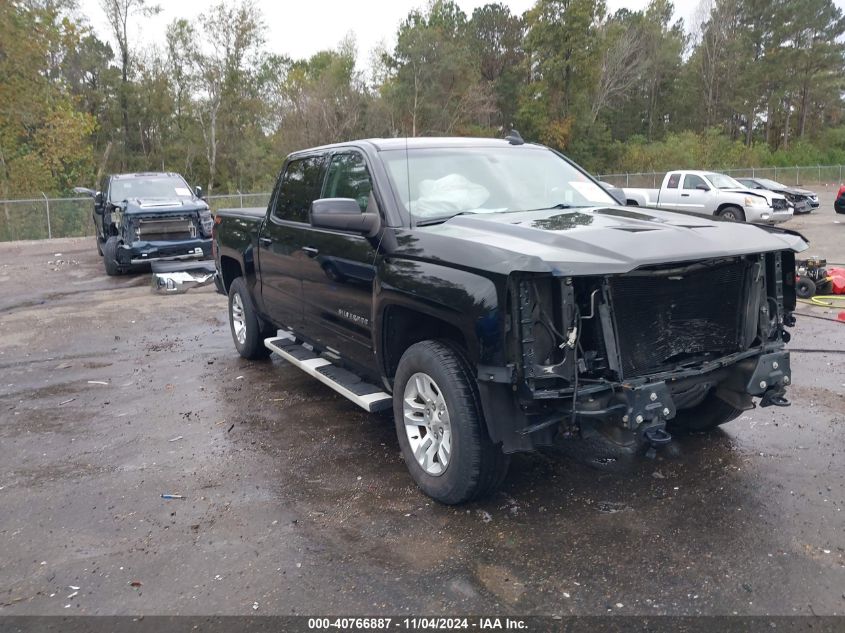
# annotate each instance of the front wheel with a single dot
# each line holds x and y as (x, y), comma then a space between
(110, 257)
(441, 427)
(733, 214)
(705, 416)
(248, 331)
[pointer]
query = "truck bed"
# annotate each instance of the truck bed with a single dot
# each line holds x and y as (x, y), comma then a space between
(651, 195)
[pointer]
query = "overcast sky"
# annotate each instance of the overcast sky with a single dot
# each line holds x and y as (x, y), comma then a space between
(300, 28)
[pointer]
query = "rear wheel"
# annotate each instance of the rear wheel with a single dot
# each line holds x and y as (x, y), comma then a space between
(248, 331)
(705, 416)
(440, 425)
(733, 214)
(110, 256)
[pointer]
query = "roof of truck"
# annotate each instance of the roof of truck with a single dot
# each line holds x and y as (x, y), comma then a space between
(422, 142)
(145, 174)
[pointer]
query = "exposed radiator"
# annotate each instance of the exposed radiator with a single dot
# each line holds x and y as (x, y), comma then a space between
(180, 228)
(662, 321)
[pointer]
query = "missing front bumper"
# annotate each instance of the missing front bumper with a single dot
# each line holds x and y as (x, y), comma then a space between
(174, 279)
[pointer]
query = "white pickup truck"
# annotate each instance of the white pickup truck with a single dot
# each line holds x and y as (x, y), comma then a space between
(710, 193)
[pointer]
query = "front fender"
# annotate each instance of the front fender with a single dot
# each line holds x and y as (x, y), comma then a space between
(469, 301)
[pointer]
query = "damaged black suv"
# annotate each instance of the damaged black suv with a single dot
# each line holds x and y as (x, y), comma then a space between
(149, 217)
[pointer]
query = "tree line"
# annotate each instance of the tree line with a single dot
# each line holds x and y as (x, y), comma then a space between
(750, 82)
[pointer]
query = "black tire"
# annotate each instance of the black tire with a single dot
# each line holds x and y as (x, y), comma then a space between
(733, 214)
(805, 288)
(705, 416)
(252, 345)
(99, 245)
(476, 467)
(110, 256)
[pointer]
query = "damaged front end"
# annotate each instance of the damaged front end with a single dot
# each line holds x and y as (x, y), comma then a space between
(617, 357)
(156, 232)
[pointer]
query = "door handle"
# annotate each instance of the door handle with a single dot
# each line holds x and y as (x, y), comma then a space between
(265, 240)
(310, 251)
(685, 195)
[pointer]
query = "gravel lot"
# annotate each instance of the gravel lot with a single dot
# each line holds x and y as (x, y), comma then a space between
(298, 502)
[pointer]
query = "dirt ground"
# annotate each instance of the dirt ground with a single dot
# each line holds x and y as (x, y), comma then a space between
(298, 502)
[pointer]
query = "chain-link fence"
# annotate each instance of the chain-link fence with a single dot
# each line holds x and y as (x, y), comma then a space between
(807, 176)
(46, 218)
(40, 218)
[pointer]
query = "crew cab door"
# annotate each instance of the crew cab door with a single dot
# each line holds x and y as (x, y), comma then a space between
(339, 269)
(695, 194)
(282, 237)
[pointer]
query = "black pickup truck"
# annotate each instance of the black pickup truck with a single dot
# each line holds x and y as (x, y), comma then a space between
(498, 299)
(149, 217)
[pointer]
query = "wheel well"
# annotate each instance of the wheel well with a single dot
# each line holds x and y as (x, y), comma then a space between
(402, 327)
(727, 205)
(230, 270)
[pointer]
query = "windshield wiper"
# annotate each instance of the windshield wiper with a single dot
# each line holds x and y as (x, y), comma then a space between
(559, 205)
(442, 218)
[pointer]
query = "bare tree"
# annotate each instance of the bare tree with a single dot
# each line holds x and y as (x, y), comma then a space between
(221, 65)
(118, 13)
(717, 23)
(620, 67)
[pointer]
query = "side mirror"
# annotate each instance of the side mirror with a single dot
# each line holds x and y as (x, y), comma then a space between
(84, 191)
(702, 187)
(198, 191)
(343, 214)
(619, 196)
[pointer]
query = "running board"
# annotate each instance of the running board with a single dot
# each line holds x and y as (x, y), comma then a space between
(367, 396)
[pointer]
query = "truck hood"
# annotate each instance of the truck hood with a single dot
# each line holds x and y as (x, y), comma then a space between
(763, 193)
(796, 191)
(588, 241)
(161, 206)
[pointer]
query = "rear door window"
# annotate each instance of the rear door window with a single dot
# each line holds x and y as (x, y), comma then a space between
(674, 179)
(301, 184)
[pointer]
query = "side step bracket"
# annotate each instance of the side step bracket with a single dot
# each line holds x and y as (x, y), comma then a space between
(369, 397)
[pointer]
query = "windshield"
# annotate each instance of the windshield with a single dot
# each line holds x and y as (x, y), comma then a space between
(168, 187)
(770, 184)
(443, 182)
(720, 181)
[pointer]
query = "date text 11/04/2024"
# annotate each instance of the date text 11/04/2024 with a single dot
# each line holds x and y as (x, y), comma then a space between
(420, 623)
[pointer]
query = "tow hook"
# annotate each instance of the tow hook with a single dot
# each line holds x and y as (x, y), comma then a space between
(656, 436)
(774, 397)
